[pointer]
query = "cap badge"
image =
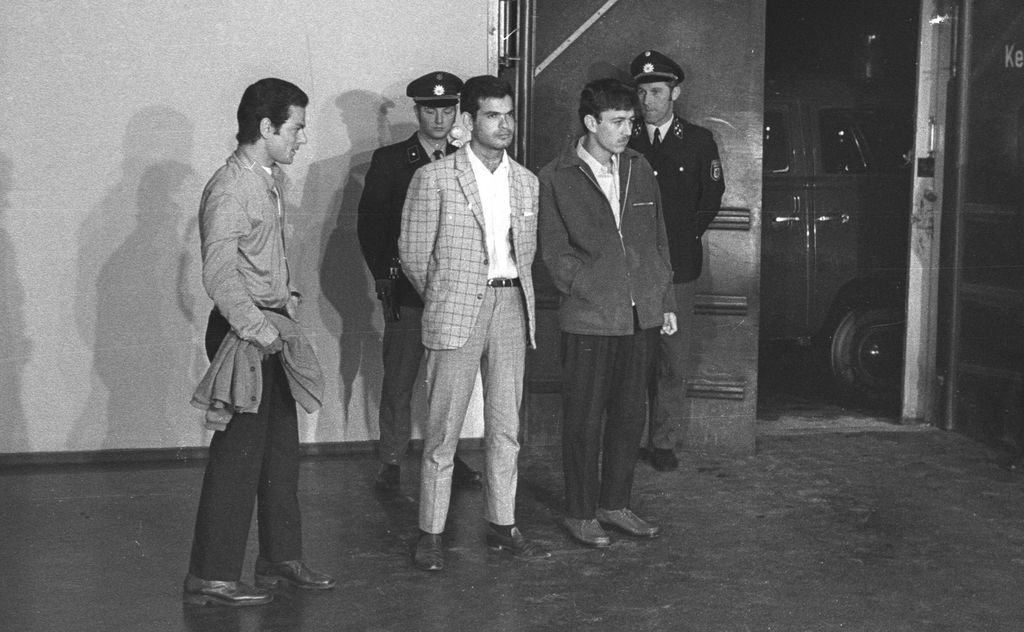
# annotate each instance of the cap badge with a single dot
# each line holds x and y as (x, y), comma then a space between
(648, 67)
(647, 53)
(438, 90)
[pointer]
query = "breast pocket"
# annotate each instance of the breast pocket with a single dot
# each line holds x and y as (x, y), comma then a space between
(524, 239)
(642, 209)
(642, 222)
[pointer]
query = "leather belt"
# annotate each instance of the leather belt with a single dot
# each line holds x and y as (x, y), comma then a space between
(503, 283)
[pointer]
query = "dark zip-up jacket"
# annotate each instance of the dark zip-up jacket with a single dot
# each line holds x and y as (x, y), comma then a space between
(600, 273)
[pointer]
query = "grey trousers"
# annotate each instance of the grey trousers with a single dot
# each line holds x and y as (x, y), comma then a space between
(497, 349)
(668, 392)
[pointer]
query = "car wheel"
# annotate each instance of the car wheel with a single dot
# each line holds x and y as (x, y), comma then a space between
(866, 354)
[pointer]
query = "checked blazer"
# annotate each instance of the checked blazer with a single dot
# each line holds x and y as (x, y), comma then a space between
(380, 209)
(443, 249)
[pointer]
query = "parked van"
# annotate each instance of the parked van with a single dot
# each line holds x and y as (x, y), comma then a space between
(836, 210)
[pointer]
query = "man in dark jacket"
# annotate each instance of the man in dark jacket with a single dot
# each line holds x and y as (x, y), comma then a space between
(689, 171)
(436, 96)
(602, 238)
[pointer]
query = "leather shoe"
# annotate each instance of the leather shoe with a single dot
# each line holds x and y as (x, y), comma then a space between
(202, 592)
(388, 478)
(293, 572)
(466, 477)
(428, 555)
(663, 459)
(516, 544)
(587, 532)
(628, 522)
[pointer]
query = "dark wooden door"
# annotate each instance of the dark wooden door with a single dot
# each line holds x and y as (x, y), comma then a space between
(720, 47)
(981, 349)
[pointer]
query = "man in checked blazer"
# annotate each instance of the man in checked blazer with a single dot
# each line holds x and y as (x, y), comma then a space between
(436, 98)
(467, 242)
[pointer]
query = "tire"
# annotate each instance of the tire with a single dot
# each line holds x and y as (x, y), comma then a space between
(866, 355)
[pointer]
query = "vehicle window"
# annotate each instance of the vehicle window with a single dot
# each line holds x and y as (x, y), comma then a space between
(776, 143)
(865, 141)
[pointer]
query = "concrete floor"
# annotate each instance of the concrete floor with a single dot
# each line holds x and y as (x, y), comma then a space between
(903, 529)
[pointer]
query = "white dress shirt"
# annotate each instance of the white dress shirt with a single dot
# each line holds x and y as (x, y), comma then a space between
(497, 211)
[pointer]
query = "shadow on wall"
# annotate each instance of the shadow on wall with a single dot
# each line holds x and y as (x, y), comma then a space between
(351, 311)
(138, 291)
(16, 345)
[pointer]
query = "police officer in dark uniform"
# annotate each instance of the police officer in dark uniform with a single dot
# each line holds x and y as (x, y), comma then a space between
(689, 171)
(436, 96)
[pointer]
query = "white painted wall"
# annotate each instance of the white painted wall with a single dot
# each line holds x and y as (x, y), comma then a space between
(117, 112)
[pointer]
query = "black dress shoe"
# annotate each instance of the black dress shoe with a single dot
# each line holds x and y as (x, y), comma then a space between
(663, 459)
(587, 532)
(292, 572)
(202, 592)
(516, 544)
(628, 522)
(428, 555)
(466, 477)
(388, 478)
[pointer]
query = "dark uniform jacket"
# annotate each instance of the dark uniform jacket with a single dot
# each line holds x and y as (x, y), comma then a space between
(689, 173)
(380, 210)
(600, 272)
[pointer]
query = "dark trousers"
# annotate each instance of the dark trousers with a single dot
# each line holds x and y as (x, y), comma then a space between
(254, 459)
(604, 382)
(402, 353)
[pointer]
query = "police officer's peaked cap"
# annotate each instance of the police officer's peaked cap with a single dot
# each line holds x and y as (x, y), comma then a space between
(437, 88)
(651, 65)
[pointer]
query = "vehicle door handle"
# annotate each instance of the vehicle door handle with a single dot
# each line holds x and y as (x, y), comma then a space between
(843, 218)
(789, 219)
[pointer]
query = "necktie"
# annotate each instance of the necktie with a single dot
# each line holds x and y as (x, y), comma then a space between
(657, 139)
(438, 155)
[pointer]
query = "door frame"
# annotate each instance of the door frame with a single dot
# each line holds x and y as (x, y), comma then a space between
(936, 55)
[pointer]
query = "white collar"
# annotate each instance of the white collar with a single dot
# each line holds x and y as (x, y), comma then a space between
(664, 127)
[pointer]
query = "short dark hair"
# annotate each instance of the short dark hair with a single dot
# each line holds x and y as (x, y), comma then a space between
(476, 89)
(607, 94)
(267, 98)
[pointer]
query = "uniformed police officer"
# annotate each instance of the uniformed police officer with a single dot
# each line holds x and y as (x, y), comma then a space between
(436, 96)
(689, 171)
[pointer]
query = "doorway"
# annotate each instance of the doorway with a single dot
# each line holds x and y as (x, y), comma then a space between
(838, 172)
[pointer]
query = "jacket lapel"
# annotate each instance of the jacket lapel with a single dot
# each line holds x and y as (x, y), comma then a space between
(515, 192)
(519, 208)
(626, 159)
(468, 183)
